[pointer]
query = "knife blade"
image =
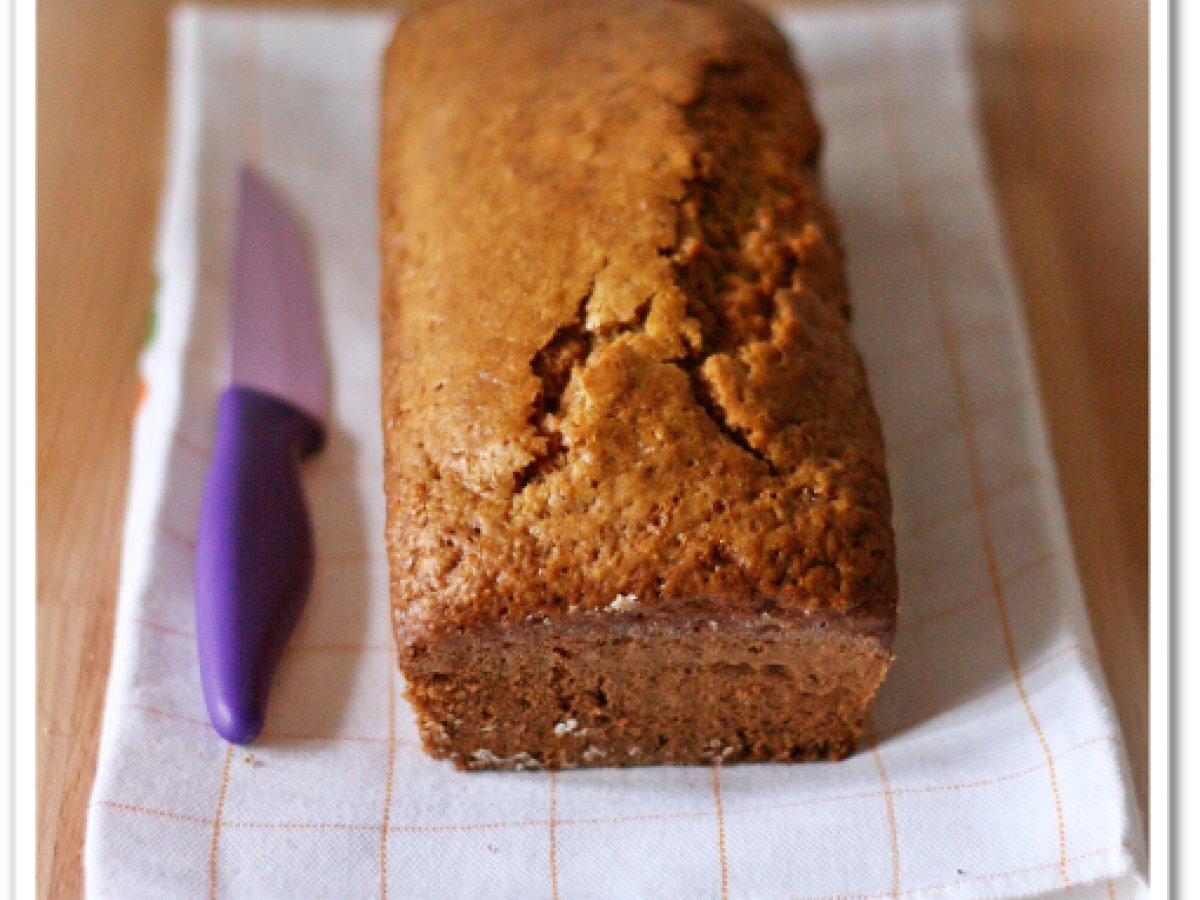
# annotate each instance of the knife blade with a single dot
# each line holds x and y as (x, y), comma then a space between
(254, 547)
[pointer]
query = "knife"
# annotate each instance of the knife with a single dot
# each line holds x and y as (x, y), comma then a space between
(254, 547)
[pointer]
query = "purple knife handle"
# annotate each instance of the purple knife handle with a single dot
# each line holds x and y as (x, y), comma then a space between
(254, 554)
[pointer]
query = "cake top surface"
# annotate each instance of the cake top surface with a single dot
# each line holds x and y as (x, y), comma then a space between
(617, 369)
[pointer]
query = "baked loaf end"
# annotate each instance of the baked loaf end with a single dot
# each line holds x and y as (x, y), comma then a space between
(637, 502)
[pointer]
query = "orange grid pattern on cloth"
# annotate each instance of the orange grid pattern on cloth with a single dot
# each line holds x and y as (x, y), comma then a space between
(991, 765)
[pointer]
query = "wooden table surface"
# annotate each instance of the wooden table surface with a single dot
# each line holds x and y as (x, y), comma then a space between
(1063, 88)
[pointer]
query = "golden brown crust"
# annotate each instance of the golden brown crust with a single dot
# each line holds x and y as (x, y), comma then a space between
(616, 356)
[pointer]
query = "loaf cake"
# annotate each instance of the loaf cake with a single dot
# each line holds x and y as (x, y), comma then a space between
(637, 505)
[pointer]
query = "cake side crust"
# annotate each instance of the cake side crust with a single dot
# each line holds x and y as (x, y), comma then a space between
(638, 692)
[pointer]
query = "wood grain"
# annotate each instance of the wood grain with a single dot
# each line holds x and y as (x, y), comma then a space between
(1063, 87)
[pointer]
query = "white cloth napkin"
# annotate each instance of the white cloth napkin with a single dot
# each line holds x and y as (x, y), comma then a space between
(993, 766)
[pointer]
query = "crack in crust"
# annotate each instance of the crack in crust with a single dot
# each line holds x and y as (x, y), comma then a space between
(567, 350)
(744, 231)
(702, 392)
